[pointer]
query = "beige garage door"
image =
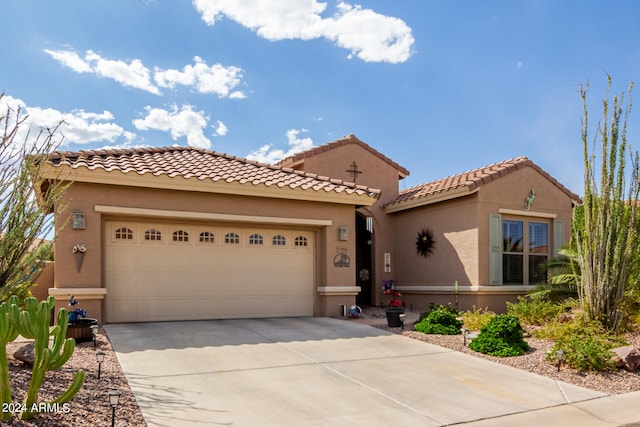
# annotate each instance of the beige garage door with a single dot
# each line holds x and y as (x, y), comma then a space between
(165, 271)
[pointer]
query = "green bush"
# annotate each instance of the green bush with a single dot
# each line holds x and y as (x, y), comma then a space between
(585, 353)
(433, 307)
(501, 337)
(441, 321)
(533, 311)
(476, 319)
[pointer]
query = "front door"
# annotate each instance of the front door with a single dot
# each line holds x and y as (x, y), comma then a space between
(364, 273)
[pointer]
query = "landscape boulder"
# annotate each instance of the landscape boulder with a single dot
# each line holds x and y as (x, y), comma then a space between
(627, 358)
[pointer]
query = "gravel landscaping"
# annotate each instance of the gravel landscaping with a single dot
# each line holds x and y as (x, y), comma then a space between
(91, 404)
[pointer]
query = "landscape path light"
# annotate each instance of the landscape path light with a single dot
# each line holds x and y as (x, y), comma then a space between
(560, 356)
(114, 399)
(94, 332)
(99, 359)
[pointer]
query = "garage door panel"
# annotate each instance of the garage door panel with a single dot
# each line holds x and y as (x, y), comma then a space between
(183, 280)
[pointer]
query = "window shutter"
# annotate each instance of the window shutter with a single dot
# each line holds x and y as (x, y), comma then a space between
(558, 236)
(495, 249)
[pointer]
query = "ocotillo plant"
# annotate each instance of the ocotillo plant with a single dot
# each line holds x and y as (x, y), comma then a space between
(33, 322)
(8, 333)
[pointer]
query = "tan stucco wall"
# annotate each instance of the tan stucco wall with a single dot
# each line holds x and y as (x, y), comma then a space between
(461, 231)
(455, 228)
(376, 173)
(83, 197)
(509, 193)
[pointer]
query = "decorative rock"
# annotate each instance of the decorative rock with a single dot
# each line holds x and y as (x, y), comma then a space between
(627, 358)
(25, 354)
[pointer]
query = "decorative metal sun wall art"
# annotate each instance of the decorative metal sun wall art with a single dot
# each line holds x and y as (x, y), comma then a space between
(425, 244)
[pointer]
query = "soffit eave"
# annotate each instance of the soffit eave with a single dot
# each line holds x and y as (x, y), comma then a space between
(430, 199)
(132, 179)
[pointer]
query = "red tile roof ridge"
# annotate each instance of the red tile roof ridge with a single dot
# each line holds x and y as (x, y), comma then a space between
(349, 139)
(83, 158)
(473, 179)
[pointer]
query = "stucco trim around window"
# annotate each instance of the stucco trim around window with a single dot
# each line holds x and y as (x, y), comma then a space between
(160, 213)
(527, 213)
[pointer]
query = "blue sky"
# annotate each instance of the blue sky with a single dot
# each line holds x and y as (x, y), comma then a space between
(438, 86)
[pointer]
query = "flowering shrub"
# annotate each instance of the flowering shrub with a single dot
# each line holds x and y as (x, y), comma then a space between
(77, 313)
(388, 288)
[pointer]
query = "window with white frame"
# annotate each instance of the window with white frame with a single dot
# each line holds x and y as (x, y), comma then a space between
(256, 239)
(519, 247)
(207, 237)
(232, 238)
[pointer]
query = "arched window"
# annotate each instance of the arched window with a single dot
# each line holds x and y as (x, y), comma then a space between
(207, 237)
(124, 233)
(300, 241)
(279, 240)
(256, 239)
(152, 234)
(232, 238)
(180, 236)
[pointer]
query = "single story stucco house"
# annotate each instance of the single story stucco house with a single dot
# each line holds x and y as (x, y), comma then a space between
(181, 233)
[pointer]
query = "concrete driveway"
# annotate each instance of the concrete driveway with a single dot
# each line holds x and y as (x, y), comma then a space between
(327, 372)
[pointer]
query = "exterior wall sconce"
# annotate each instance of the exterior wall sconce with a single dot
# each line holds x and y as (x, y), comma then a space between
(343, 233)
(77, 221)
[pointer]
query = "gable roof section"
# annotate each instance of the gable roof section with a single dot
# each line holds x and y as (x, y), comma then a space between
(192, 169)
(349, 139)
(463, 184)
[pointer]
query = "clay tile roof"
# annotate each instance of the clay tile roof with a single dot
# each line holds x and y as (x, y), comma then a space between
(473, 179)
(187, 162)
(349, 139)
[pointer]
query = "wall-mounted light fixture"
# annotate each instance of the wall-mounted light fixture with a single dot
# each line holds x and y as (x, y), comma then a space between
(77, 221)
(343, 233)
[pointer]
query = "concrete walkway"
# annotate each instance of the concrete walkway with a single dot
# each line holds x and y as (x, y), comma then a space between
(328, 372)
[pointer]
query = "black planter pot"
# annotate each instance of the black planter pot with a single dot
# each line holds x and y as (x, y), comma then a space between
(393, 317)
(80, 330)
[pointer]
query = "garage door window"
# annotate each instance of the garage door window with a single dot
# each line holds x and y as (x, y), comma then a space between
(232, 238)
(180, 236)
(279, 240)
(207, 237)
(256, 239)
(124, 234)
(300, 241)
(152, 234)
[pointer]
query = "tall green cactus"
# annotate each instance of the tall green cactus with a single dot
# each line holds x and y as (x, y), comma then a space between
(8, 333)
(33, 322)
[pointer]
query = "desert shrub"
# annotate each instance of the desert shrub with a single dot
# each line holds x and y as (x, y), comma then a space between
(532, 311)
(441, 320)
(433, 307)
(585, 353)
(476, 319)
(577, 328)
(502, 337)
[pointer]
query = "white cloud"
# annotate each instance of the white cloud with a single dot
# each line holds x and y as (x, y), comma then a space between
(78, 126)
(221, 128)
(183, 122)
(216, 79)
(370, 36)
(266, 154)
(133, 74)
(70, 59)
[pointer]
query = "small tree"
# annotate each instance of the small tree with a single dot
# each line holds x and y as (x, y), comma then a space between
(607, 245)
(24, 218)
